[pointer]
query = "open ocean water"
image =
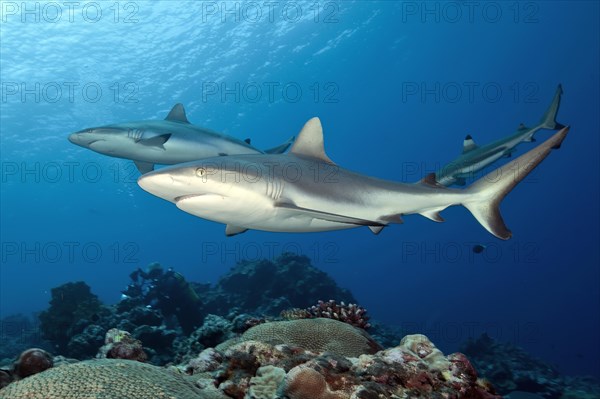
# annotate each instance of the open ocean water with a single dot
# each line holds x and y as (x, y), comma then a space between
(397, 86)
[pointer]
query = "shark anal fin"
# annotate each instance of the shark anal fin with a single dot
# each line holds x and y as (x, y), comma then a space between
(376, 229)
(332, 217)
(156, 141)
(433, 214)
(231, 230)
(144, 167)
(177, 114)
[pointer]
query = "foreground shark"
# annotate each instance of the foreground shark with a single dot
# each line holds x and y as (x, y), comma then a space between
(305, 191)
(475, 158)
(169, 141)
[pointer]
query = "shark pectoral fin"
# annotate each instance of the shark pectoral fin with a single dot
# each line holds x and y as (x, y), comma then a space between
(247, 141)
(332, 217)
(460, 181)
(469, 144)
(177, 114)
(231, 230)
(144, 167)
(156, 141)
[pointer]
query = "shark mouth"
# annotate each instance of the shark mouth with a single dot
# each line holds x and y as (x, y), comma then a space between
(186, 197)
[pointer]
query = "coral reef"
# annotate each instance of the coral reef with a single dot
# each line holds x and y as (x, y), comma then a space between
(103, 379)
(73, 307)
(415, 368)
(227, 343)
(164, 311)
(166, 291)
(510, 368)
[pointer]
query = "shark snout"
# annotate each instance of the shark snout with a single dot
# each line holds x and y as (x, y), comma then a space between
(164, 185)
(75, 138)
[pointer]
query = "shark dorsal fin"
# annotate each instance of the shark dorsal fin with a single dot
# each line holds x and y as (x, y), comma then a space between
(177, 114)
(309, 142)
(469, 144)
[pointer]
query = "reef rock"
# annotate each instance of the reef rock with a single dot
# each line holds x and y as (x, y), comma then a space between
(268, 287)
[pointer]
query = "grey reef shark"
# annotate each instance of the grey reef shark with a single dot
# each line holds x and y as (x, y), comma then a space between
(305, 191)
(170, 141)
(475, 158)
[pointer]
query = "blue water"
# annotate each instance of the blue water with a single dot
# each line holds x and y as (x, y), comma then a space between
(397, 85)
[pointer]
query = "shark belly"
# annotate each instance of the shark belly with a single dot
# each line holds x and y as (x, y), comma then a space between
(254, 213)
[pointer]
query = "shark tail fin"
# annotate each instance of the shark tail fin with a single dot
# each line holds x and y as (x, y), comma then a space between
(280, 149)
(484, 196)
(548, 121)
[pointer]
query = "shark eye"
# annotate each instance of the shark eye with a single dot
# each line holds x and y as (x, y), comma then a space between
(200, 172)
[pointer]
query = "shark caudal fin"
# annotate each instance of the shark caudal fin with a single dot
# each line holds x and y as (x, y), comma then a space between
(280, 149)
(484, 196)
(548, 121)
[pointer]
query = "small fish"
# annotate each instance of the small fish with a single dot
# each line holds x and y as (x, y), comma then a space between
(478, 248)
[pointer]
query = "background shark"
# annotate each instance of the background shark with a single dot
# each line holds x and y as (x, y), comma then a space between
(169, 141)
(304, 191)
(475, 158)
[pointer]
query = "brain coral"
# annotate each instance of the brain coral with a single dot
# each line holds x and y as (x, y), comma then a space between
(305, 383)
(316, 335)
(103, 379)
